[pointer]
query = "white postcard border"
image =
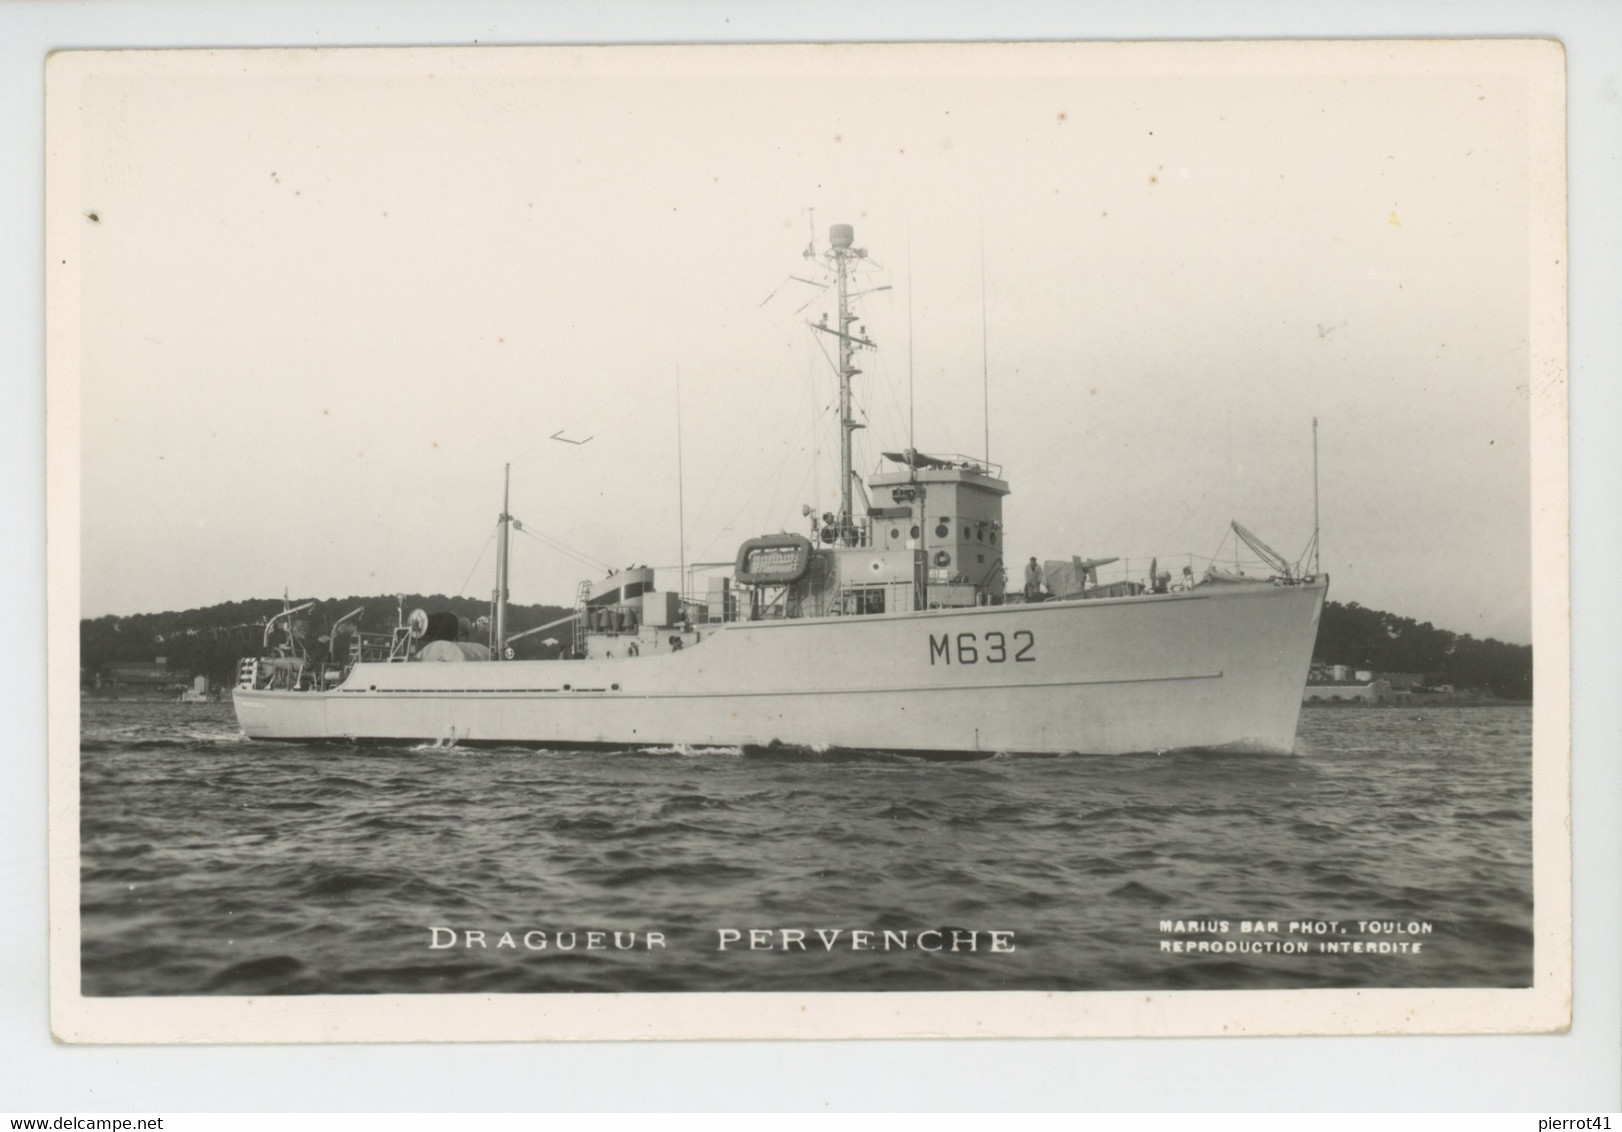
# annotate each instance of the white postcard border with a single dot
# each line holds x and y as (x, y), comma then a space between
(843, 1015)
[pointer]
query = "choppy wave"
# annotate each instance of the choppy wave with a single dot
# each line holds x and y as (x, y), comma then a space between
(212, 865)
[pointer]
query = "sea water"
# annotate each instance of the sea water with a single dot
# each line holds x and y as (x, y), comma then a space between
(215, 865)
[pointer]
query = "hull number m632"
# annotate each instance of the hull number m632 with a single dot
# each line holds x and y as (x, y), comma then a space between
(993, 647)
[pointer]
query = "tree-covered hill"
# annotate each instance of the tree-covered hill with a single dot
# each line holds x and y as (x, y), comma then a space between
(1372, 639)
(209, 641)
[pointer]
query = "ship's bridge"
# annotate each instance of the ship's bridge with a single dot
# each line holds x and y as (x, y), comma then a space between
(931, 538)
(948, 509)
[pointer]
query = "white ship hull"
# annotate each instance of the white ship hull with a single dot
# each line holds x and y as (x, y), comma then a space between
(1219, 666)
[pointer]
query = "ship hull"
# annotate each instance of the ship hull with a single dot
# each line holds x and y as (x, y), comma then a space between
(1216, 667)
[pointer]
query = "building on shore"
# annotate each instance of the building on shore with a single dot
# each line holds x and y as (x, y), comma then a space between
(138, 677)
(1344, 684)
(1371, 694)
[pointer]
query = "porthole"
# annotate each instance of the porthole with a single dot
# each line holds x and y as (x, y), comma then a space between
(980, 535)
(895, 533)
(943, 559)
(914, 531)
(942, 531)
(967, 534)
(993, 538)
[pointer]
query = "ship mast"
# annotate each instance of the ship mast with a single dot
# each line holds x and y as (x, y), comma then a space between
(499, 643)
(841, 236)
(842, 255)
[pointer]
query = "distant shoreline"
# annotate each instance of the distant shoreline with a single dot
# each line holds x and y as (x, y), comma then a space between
(1388, 705)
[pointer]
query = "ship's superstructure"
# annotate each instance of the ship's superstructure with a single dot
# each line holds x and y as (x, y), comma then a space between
(889, 624)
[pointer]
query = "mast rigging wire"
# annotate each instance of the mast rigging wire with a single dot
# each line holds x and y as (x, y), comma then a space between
(745, 429)
(681, 494)
(462, 589)
(579, 556)
(814, 298)
(985, 356)
(759, 487)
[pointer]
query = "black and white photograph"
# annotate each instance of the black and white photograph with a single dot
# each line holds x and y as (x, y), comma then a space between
(808, 541)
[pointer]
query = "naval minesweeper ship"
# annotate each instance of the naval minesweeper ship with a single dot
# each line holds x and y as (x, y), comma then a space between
(887, 626)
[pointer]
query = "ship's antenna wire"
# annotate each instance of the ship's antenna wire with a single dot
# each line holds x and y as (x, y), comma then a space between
(498, 618)
(562, 548)
(985, 365)
(912, 438)
(816, 420)
(462, 589)
(1317, 549)
(681, 498)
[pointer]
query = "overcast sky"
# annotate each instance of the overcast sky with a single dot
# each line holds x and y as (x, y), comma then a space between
(326, 297)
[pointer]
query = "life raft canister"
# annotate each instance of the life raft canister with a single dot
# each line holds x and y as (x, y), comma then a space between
(773, 560)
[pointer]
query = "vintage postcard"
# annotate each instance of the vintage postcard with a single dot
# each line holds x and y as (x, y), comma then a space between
(808, 541)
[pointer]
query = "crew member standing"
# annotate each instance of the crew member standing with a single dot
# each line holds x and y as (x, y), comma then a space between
(1033, 581)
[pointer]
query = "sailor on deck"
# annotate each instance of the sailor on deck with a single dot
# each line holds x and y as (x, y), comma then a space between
(1033, 580)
